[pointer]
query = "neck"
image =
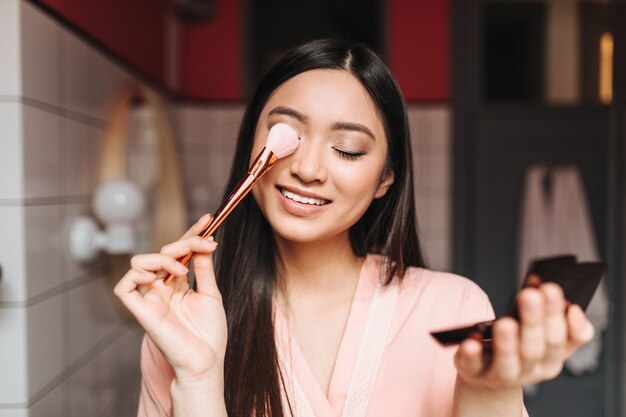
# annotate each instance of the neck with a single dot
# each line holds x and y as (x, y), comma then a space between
(318, 269)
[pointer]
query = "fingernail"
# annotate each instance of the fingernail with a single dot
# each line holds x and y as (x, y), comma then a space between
(147, 274)
(209, 244)
(205, 218)
(180, 268)
(579, 315)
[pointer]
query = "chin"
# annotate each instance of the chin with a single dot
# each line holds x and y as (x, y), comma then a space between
(299, 231)
(300, 234)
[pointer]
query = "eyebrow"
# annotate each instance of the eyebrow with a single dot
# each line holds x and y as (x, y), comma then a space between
(288, 111)
(355, 127)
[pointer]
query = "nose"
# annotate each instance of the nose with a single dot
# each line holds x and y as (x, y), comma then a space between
(307, 163)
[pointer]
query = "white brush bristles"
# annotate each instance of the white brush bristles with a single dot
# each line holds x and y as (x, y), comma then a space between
(282, 140)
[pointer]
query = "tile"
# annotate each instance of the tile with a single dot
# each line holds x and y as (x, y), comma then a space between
(430, 124)
(129, 346)
(210, 169)
(14, 412)
(71, 269)
(433, 213)
(441, 122)
(192, 123)
(205, 179)
(52, 405)
(80, 153)
(13, 356)
(110, 313)
(438, 254)
(11, 159)
(202, 199)
(230, 118)
(12, 254)
(109, 391)
(120, 377)
(432, 171)
(40, 55)
(215, 125)
(46, 344)
(91, 315)
(90, 80)
(43, 239)
(42, 167)
(80, 391)
(11, 68)
(81, 317)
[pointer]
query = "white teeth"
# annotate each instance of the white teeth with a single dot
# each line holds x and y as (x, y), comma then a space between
(303, 200)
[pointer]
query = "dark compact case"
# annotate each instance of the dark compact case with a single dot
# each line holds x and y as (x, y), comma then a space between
(578, 280)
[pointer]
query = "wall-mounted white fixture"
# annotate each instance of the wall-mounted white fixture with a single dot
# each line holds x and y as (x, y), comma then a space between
(118, 204)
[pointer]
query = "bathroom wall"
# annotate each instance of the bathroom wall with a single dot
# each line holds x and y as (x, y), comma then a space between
(207, 135)
(66, 347)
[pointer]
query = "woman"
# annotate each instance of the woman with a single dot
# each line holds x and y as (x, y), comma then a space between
(320, 304)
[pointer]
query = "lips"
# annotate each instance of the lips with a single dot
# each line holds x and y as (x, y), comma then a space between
(301, 203)
(303, 199)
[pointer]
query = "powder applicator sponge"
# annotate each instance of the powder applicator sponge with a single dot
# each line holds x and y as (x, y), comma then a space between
(282, 140)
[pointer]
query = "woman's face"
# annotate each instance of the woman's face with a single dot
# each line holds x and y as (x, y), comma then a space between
(323, 188)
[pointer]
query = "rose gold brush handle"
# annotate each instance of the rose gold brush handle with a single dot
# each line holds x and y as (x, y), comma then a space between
(261, 165)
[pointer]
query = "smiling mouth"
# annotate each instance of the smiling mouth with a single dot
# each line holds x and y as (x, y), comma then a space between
(303, 200)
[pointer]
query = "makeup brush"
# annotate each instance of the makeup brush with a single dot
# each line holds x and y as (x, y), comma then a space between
(282, 141)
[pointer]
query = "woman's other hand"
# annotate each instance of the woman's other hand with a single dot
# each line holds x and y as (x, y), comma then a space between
(189, 327)
(525, 352)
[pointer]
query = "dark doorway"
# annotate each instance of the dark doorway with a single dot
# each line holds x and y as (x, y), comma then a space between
(275, 26)
(515, 105)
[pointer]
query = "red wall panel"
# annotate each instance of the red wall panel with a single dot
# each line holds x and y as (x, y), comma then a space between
(133, 29)
(419, 49)
(212, 54)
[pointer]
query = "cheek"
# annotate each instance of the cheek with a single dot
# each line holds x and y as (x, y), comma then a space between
(357, 182)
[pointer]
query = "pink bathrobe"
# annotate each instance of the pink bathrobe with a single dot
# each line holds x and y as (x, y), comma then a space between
(388, 365)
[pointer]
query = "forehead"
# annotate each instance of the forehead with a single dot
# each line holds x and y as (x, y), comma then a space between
(327, 95)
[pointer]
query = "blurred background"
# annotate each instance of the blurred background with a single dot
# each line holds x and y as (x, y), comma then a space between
(517, 110)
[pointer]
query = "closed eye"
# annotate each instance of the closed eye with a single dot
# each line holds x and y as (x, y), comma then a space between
(348, 155)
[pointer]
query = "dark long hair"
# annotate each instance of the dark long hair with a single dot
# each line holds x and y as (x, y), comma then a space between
(246, 264)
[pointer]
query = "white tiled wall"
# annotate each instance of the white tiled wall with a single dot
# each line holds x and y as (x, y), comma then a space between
(431, 139)
(10, 70)
(208, 135)
(66, 347)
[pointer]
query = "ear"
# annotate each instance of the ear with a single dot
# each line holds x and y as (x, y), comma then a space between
(384, 184)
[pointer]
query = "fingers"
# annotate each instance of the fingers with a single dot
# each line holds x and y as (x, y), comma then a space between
(580, 329)
(203, 261)
(127, 289)
(531, 350)
(157, 261)
(194, 244)
(532, 328)
(198, 226)
(555, 328)
(507, 360)
(133, 278)
(205, 274)
(469, 358)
